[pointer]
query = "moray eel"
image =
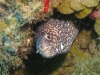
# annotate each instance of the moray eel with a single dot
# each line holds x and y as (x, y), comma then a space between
(55, 37)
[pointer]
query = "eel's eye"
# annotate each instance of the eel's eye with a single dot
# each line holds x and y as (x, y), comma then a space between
(48, 37)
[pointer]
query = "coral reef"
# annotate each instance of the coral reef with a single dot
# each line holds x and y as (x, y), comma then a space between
(25, 10)
(75, 62)
(16, 42)
(91, 64)
(16, 38)
(16, 34)
(81, 38)
(97, 26)
(80, 8)
(83, 13)
(65, 8)
(80, 62)
(55, 3)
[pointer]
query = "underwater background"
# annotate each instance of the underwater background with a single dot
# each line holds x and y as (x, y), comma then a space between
(20, 18)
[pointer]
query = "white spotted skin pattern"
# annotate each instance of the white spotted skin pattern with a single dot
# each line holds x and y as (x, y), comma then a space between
(55, 37)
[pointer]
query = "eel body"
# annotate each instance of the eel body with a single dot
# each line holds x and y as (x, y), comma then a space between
(55, 37)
